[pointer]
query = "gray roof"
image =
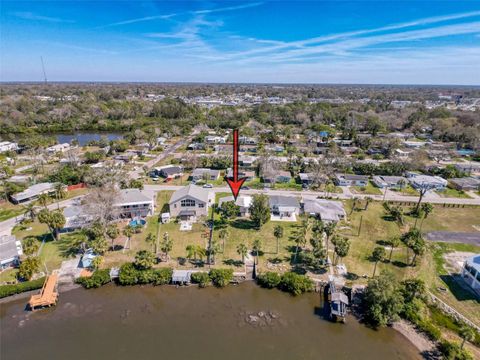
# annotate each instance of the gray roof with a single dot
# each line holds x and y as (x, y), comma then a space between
(327, 209)
(202, 171)
(34, 190)
(9, 247)
(191, 190)
(352, 177)
(284, 201)
(467, 181)
(172, 170)
(133, 196)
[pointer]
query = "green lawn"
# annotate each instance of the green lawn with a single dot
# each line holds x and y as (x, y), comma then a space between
(449, 192)
(407, 190)
(8, 211)
(291, 185)
(370, 189)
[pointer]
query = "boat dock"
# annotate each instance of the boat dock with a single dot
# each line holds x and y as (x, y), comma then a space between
(48, 296)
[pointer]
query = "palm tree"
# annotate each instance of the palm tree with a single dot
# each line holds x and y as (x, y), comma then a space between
(378, 254)
(368, 200)
(128, 232)
(167, 244)
(467, 334)
(223, 234)
(112, 233)
(59, 191)
(152, 240)
(30, 210)
(278, 233)
(214, 249)
(43, 200)
(342, 246)
(300, 237)
(427, 208)
(194, 251)
(329, 230)
(393, 242)
(242, 250)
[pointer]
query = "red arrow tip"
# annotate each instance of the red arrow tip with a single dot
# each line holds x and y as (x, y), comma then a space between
(235, 186)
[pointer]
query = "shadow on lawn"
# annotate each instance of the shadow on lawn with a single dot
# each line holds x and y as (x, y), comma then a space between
(243, 224)
(461, 293)
(233, 262)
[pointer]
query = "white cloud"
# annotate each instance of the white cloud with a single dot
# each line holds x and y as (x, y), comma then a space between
(25, 15)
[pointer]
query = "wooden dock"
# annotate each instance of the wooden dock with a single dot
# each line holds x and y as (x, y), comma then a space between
(48, 296)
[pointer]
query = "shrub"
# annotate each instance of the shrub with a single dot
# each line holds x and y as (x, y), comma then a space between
(221, 277)
(145, 276)
(99, 278)
(8, 290)
(269, 280)
(295, 284)
(432, 332)
(201, 278)
(453, 351)
(128, 274)
(162, 276)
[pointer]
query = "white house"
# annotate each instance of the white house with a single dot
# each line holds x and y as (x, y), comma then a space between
(33, 192)
(205, 174)
(191, 202)
(10, 251)
(243, 201)
(390, 182)
(135, 203)
(284, 207)
(427, 181)
(58, 148)
(351, 180)
(471, 272)
(8, 146)
(75, 218)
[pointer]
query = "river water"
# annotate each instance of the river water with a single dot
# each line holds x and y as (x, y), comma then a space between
(238, 322)
(84, 138)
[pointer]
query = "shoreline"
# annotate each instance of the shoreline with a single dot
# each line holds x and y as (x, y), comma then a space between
(403, 327)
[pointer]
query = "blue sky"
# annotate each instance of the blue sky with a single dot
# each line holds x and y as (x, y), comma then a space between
(390, 42)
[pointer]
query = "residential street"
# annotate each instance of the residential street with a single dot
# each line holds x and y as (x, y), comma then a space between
(390, 196)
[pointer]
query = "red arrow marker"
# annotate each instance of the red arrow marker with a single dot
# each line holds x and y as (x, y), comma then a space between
(235, 183)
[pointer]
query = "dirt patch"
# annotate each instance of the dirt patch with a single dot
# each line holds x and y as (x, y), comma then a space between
(420, 341)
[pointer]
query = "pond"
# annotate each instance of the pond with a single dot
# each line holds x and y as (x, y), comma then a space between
(84, 138)
(238, 322)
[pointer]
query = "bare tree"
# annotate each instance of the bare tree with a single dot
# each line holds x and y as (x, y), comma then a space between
(99, 203)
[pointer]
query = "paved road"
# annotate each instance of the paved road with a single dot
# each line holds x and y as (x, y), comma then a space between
(138, 172)
(455, 237)
(390, 195)
(7, 225)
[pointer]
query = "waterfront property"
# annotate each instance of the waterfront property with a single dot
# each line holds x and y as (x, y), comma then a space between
(471, 272)
(10, 251)
(135, 203)
(33, 192)
(243, 201)
(191, 202)
(284, 207)
(325, 210)
(351, 180)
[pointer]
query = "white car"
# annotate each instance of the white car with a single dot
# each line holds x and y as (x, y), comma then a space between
(207, 186)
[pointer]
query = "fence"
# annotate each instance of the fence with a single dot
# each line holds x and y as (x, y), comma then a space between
(77, 186)
(451, 311)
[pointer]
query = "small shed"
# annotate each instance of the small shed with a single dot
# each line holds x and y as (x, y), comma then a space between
(87, 258)
(165, 218)
(181, 276)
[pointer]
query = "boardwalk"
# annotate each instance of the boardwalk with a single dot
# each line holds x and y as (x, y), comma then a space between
(48, 295)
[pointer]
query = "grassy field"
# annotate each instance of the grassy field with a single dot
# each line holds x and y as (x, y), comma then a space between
(407, 190)
(370, 189)
(449, 192)
(8, 210)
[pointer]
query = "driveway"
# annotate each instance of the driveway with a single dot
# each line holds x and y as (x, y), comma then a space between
(454, 237)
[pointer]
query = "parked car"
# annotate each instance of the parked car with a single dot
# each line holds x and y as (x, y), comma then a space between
(207, 186)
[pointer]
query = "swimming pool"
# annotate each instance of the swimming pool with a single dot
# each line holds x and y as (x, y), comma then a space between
(137, 222)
